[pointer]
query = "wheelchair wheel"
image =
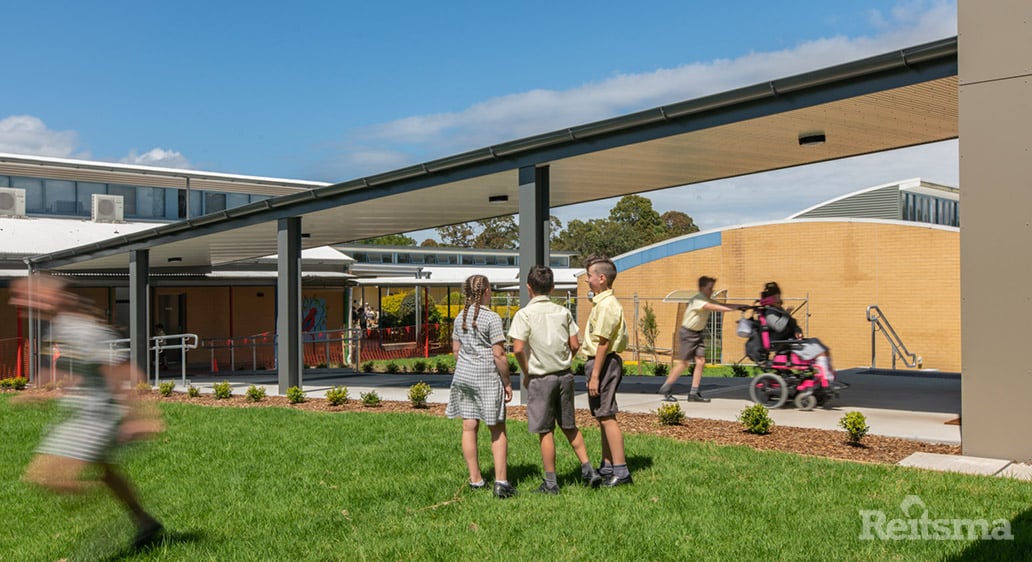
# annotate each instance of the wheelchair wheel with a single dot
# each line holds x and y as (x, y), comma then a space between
(768, 389)
(805, 401)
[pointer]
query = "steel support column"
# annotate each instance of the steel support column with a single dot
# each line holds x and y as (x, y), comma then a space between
(288, 303)
(139, 309)
(534, 223)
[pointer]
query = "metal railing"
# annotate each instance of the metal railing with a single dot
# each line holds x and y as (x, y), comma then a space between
(258, 352)
(879, 322)
(158, 345)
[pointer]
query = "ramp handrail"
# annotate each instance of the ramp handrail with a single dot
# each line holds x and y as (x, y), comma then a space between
(878, 321)
(182, 342)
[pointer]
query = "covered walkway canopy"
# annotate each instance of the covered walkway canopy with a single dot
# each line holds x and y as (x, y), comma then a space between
(899, 99)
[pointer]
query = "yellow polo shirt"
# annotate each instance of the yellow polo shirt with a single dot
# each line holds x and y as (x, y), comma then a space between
(606, 321)
(695, 316)
(546, 328)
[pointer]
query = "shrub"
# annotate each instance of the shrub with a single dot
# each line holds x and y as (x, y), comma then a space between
(370, 399)
(222, 390)
(392, 368)
(670, 414)
(368, 367)
(442, 367)
(192, 391)
(295, 395)
(661, 370)
(166, 388)
(578, 368)
(855, 424)
(255, 393)
(739, 370)
(514, 365)
(7, 383)
(337, 395)
(14, 383)
(143, 388)
(419, 366)
(418, 393)
(756, 419)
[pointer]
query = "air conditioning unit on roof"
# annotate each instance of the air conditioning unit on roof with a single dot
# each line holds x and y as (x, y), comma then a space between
(12, 202)
(107, 208)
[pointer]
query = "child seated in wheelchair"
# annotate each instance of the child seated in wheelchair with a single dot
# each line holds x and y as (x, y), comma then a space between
(786, 339)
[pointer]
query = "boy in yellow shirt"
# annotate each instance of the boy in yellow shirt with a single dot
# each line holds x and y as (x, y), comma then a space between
(605, 337)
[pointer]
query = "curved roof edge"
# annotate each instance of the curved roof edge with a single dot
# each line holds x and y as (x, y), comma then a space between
(712, 238)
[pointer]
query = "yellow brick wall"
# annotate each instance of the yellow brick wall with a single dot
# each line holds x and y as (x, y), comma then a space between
(912, 272)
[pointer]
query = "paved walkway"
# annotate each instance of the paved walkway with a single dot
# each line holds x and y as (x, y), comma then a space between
(922, 406)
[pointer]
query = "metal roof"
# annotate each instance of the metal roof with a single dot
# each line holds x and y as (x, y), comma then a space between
(890, 101)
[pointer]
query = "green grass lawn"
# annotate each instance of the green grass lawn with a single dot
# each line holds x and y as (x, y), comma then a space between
(279, 484)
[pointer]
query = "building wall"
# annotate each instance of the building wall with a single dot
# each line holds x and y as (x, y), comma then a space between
(910, 271)
(995, 119)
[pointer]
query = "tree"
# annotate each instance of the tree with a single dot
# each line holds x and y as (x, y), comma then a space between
(458, 235)
(430, 243)
(390, 240)
(649, 330)
(677, 224)
(500, 233)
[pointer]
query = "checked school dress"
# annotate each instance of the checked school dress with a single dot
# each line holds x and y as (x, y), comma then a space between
(476, 390)
(89, 429)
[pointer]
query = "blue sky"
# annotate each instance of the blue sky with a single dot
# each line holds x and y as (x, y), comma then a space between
(332, 91)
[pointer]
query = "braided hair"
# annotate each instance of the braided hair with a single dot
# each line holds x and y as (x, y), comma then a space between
(473, 290)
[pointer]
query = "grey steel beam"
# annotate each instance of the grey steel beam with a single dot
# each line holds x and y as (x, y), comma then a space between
(288, 304)
(534, 223)
(139, 318)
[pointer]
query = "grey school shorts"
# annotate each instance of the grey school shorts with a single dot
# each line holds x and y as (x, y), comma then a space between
(604, 405)
(692, 344)
(550, 400)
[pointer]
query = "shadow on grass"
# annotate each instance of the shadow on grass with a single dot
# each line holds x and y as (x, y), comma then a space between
(1016, 549)
(127, 552)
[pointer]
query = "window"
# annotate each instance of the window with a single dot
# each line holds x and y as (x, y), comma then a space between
(5, 181)
(60, 197)
(150, 202)
(33, 193)
(214, 202)
(234, 200)
(84, 192)
(128, 193)
(196, 204)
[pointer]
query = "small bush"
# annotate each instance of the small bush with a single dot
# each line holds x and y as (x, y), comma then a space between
(756, 419)
(143, 388)
(14, 383)
(368, 367)
(661, 370)
(855, 424)
(739, 371)
(442, 367)
(255, 393)
(337, 395)
(578, 368)
(166, 388)
(419, 366)
(514, 365)
(192, 391)
(392, 368)
(418, 394)
(370, 399)
(222, 390)
(295, 395)
(670, 414)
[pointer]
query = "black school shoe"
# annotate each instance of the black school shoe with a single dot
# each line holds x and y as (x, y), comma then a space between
(696, 397)
(614, 481)
(147, 536)
(592, 479)
(546, 488)
(504, 490)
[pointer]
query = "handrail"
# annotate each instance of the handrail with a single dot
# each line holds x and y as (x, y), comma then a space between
(159, 344)
(899, 349)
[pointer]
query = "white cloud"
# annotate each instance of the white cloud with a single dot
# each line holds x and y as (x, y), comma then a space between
(424, 137)
(158, 157)
(26, 134)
